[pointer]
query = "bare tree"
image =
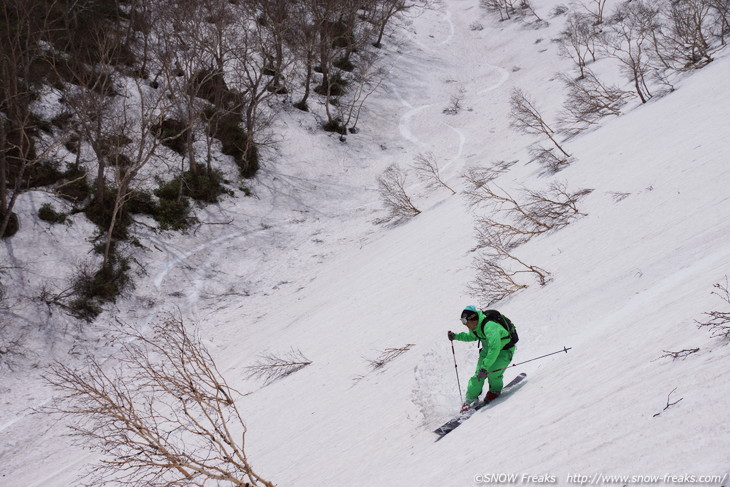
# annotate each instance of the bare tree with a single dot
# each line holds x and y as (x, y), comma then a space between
(492, 282)
(595, 9)
(527, 6)
(427, 169)
(578, 40)
(478, 177)
(365, 79)
(588, 101)
(383, 11)
(250, 77)
(137, 114)
(23, 24)
(721, 27)
(164, 415)
(682, 41)
(190, 63)
(628, 40)
(505, 7)
(537, 213)
(498, 268)
(393, 194)
(525, 118)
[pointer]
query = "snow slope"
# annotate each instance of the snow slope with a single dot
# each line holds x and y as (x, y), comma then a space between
(304, 267)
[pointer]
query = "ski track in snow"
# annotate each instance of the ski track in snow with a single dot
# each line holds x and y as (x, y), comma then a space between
(405, 129)
(425, 379)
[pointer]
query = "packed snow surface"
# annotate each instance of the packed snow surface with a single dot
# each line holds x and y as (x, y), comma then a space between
(302, 266)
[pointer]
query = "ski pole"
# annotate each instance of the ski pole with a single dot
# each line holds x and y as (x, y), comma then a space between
(531, 360)
(456, 368)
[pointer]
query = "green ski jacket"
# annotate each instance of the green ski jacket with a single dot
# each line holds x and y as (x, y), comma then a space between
(493, 337)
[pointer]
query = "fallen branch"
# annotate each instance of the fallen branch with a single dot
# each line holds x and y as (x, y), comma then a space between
(271, 367)
(680, 354)
(388, 355)
(669, 404)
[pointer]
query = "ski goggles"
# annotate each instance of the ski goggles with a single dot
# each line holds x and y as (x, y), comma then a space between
(473, 318)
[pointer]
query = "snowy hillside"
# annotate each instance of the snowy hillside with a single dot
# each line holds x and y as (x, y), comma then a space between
(304, 267)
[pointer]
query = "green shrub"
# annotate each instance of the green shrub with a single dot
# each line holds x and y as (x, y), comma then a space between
(48, 214)
(227, 128)
(100, 213)
(141, 203)
(13, 225)
(173, 214)
(94, 288)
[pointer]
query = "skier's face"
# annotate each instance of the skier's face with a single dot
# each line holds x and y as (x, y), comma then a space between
(471, 324)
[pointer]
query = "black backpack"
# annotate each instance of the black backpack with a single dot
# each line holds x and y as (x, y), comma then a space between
(497, 317)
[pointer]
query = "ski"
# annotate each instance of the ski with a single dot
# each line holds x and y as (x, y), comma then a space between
(454, 423)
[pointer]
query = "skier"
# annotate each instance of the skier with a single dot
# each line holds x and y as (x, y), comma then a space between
(498, 348)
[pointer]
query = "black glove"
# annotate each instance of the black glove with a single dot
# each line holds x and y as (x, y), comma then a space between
(482, 374)
(451, 335)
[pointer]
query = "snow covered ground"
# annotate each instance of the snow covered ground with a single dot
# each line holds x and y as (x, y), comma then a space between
(304, 267)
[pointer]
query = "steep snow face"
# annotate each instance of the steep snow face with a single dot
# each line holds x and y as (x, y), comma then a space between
(304, 267)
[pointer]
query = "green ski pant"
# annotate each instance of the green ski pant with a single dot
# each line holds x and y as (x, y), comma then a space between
(496, 379)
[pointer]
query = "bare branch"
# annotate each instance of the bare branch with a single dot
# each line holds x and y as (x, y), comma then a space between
(669, 404)
(393, 194)
(271, 367)
(162, 416)
(525, 118)
(719, 321)
(682, 354)
(427, 170)
(588, 101)
(387, 356)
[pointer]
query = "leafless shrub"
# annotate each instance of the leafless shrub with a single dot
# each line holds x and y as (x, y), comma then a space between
(718, 322)
(271, 367)
(548, 158)
(506, 8)
(391, 185)
(162, 416)
(535, 212)
(387, 356)
(559, 10)
(454, 106)
(12, 343)
(595, 9)
(363, 81)
(510, 223)
(497, 267)
(525, 118)
(427, 170)
(509, 9)
(588, 101)
(619, 196)
(492, 282)
(477, 177)
(721, 26)
(682, 41)
(499, 246)
(526, 6)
